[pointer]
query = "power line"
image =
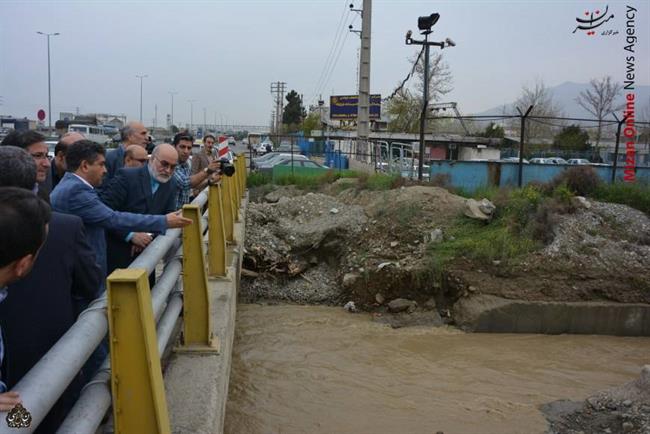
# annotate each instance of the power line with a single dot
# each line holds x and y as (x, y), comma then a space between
(331, 71)
(335, 41)
(408, 76)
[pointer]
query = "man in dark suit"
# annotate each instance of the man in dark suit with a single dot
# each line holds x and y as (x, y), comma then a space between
(39, 309)
(146, 190)
(134, 133)
(34, 143)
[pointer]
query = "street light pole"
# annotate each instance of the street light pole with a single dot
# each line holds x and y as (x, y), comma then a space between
(172, 93)
(191, 101)
(49, 79)
(141, 77)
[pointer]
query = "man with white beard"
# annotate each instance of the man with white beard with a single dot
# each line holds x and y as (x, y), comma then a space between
(150, 189)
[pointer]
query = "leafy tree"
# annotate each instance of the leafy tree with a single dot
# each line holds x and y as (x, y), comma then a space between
(174, 129)
(599, 101)
(293, 112)
(572, 138)
(405, 107)
(311, 122)
(494, 130)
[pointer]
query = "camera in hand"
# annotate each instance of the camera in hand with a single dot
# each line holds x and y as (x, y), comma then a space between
(226, 167)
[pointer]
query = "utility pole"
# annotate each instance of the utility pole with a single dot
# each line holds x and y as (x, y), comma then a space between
(49, 79)
(172, 93)
(278, 89)
(363, 106)
(141, 77)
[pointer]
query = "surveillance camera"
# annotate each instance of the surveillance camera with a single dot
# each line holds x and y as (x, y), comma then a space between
(350, 27)
(408, 34)
(351, 6)
(450, 43)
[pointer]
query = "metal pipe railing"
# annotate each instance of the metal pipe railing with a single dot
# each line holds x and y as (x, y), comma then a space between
(42, 386)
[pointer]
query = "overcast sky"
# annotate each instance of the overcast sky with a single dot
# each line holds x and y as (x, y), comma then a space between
(225, 54)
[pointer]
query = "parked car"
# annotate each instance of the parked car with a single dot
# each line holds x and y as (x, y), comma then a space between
(232, 141)
(303, 163)
(51, 144)
(538, 160)
(279, 158)
(578, 161)
(556, 160)
(513, 160)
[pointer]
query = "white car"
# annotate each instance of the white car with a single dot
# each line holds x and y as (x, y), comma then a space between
(540, 161)
(578, 161)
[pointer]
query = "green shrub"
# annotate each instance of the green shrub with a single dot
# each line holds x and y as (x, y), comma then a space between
(581, 180)
(379, 181)
(634, 195)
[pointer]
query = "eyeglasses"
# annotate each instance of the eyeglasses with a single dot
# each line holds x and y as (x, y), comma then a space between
(166, 164)
(39, 155)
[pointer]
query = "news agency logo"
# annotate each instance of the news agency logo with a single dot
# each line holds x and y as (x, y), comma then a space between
(594, 20)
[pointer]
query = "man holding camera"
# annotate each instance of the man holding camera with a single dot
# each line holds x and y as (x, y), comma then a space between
(201, 160)
(185, 181)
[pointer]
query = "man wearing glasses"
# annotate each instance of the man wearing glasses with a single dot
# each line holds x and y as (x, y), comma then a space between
(135, 156)
(34, 144)
(150, 189)
(184, 179)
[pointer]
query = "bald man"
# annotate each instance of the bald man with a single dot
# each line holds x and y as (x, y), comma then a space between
(58, 162)
(150, 189)
(135, 156)
(134, 133)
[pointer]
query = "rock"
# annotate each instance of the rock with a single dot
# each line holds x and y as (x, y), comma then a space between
(394, 244)
(379, 298)
(384, 264)
(350, 307)
(487, 207)
(580, 202)
(627, 426)
(430, 304)
(436, 236)
(472, 210)
(334, 211)
(401, 305)
(593, 402)
(313, 260)
(627, 403)
(349, 279)
(472, 288)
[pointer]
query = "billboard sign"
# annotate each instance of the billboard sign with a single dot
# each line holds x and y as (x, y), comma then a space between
(344, 107)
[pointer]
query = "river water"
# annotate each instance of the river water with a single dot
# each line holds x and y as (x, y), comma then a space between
(315, 369)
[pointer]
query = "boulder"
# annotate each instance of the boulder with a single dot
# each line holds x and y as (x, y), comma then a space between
(401, 305)
(473, 210)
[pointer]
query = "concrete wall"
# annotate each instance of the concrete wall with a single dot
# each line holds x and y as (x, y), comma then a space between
(471, 175)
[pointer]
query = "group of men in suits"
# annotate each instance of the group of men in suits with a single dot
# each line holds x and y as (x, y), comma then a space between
(92, 231)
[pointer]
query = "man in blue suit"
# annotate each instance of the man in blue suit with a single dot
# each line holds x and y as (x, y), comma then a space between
(76, 195)
(39, 309)
(150, 189)
(134, 133)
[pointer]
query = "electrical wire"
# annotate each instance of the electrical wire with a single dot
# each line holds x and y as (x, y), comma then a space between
(408, 76)
(335, 41)
(336, 60)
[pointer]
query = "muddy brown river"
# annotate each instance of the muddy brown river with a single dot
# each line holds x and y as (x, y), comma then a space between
(313, 369)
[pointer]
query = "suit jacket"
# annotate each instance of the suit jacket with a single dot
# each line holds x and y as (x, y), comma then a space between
(39, 308)
(130, 191)
(114, 161)
(73, 196)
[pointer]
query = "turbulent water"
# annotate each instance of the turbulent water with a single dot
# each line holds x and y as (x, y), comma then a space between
(312, 369)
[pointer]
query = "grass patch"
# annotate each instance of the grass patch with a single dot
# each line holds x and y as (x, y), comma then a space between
(379, 181)
(633, 195)
(481, 243)
(255, 179)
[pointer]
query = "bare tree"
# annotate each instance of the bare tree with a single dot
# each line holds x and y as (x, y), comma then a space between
(538, 96)
(405, 106)
(598, 100)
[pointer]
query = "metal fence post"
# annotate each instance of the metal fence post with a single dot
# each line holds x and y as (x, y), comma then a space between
(139, 404)
(234, 197)
(197, 327)
(242, 174)
(216, 232)
(238, 190)
(228, 211)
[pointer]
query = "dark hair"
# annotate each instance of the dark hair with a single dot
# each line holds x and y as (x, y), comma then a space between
(22, 139)
(183, 135)
(17, 168)
(209, 136)
(60, 147)
(82, 150)
(23, 217)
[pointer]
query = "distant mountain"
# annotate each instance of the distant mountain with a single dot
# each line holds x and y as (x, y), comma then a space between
(565, 95)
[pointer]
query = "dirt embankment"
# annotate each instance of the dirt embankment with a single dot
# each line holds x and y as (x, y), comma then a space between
(371, 247)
